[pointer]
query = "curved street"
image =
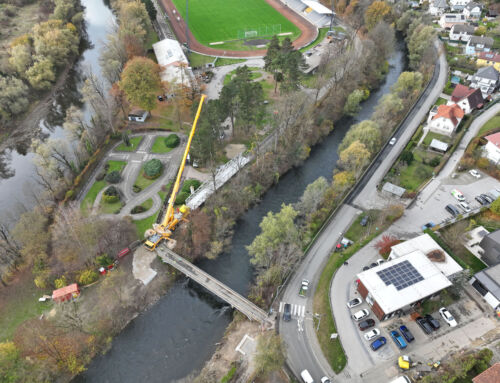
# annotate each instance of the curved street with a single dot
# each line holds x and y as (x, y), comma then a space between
(303, 350)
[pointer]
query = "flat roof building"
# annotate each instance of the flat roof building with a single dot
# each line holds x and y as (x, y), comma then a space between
(487, 284)
(174, 64)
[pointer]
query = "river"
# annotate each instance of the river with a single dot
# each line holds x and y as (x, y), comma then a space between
(17, 171)
(177, 335)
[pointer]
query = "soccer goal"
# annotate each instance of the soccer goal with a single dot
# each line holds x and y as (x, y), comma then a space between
(250, 34)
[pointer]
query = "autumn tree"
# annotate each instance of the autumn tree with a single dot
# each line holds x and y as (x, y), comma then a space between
(13, 97)
(367, 132)
(140, 80)
(352, 105)
(420, 43)
(408, 85)
(343, 180)
(377, 11)
(312, 196)
(56, 41)
(387, 112)
(20, 57)
(113, 56)
(102, 103)
(495, 206)
(355, 157)
(270, 354)
(41, 74)
(384, 244)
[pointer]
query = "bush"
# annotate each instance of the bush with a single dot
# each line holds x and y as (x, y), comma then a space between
(186, 187)
(70, 194)
(42, 280)
(181, 198)
(435, 161)
(113, 177)
(136, 188)
(153, 168)
(482, 163)
(61, 282)
(87, 277)
(137, 209)
(100, 176)
(172, 141)
(407, 157)
(104, 260)
(111, 195)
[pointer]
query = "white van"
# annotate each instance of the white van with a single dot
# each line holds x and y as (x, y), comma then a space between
(306, 377)
(401, 379)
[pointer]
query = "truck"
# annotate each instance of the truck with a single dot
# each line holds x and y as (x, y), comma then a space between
(303, 288)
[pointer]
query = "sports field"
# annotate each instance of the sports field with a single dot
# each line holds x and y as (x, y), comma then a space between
(225, 20)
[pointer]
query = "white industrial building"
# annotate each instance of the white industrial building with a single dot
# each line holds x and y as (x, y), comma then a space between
(173, 62)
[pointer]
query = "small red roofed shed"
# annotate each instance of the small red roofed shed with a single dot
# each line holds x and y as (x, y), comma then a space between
(66, 293)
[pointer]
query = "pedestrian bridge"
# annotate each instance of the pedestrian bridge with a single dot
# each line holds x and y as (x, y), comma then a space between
(213, 285)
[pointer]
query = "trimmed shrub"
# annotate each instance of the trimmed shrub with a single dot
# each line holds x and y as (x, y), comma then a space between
(407, 157)
(104, 260)
(482, 163)
(153, 168)
(113, 177)
(181, 198)
(172, 141)
(111, 195)
(186, 186)
(136, 188)
(435, 161)
(87, 277)
(137, 209)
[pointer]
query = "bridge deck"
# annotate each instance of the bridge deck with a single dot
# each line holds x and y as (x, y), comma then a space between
(213, 285)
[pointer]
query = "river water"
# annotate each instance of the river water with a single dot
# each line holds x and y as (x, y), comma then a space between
(177, 335)
(16, 164)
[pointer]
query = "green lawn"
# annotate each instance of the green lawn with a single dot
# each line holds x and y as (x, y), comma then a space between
(197, 60)
(144, 224)
(144, 182)
(159, 146)
(134, 143)
(224, 61)
(110, 208)
(116, 165)
(321, 36)
(255, 73)
(413, 176)
(223, 20)
(431, 135)
(441, 101)
(490, 125)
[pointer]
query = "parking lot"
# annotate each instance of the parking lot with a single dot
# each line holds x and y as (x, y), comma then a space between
(430, 204)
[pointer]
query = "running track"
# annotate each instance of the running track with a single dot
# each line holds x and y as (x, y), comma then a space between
(307, 35)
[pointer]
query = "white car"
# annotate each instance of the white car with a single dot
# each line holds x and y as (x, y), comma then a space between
(325, 379)
(465, 206)
(372, 334)
(357, 316)
(379, 261)
(474, 173)
(392, 141)
(354, 302)
(448, 318)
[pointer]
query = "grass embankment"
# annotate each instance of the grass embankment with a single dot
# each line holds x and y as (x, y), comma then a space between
(159, 146)
(134, 143)
(147, 223)
(319, 39)
(360, 235)
(196, 60)
(88, 200)
(225, 61)
(144, 182)
(492, 124)
(255, 73)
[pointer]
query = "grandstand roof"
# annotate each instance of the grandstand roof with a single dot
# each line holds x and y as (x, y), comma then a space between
(317, 7)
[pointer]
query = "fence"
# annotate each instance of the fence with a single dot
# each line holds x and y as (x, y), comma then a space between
(259, 31)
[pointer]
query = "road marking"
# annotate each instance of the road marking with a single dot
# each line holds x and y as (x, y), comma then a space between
(298, 311)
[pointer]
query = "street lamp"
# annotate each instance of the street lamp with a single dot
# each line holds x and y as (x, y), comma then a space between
(187, 25)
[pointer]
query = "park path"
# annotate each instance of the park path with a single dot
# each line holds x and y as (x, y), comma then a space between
(307, 35)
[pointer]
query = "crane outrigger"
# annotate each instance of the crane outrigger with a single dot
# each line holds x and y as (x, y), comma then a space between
(167, 226)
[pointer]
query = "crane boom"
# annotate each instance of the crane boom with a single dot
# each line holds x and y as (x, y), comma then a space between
(170, 220)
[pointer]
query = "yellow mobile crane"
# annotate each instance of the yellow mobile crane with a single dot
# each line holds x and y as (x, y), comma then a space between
(167, 226)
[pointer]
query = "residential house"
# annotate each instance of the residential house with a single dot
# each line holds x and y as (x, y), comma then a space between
(492, 13)
(438, 7)
(487, 284)
(489, 58)
(461, 32)
(448, 20)
(487, 79)
(472, 11)
(417, 269)
(458, 5)
(466, 98)
(492, 152)
(478, 44)
(138, 115)
(66, 293)
(491, 375)
(490, 244)
(444, 119)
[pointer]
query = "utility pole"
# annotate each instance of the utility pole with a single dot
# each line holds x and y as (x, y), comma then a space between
(187, 25)
(331, 18)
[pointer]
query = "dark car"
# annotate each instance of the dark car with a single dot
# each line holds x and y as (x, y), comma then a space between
(481, 200)
(424, 325)
(398, 339)
(364, 221)
(366, 324)
(487, 197)
(432, 321)
(406, 333)
(452, 210)
(366, 268)
(287, 312)
(373, 265)
(377, 343)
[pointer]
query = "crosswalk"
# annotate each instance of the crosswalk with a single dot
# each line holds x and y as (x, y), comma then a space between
(298, 311)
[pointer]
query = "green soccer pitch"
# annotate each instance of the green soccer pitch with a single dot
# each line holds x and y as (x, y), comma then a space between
(225, 20)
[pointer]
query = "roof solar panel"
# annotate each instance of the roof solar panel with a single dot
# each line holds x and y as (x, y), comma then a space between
(400, 275)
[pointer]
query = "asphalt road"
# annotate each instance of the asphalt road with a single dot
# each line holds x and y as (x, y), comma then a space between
(303, 350)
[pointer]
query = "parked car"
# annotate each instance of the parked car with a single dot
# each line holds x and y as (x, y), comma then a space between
(372, 334)
(398, 339)
(377, 343)
(306, 377)
(357, 316)
(428, 225)
(325, 379)
(424, 325)
(448, 318)
(406, 333)
(364, 221)
(372, 265)
(474, 173)
(433, 322)
(380, 261)
(366, 268)
(366, 324)
(489, 196)
(465, 206)
(458, 195)
(452, 210)
(287, 312)
(481, 200)
(354, 302)
(392, 141)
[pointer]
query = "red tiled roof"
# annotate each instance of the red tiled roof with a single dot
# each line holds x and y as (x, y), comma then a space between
(490, 56)
(63, 291)
(451, 112)
(460, 92)
(491, 375)
(494, 138)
